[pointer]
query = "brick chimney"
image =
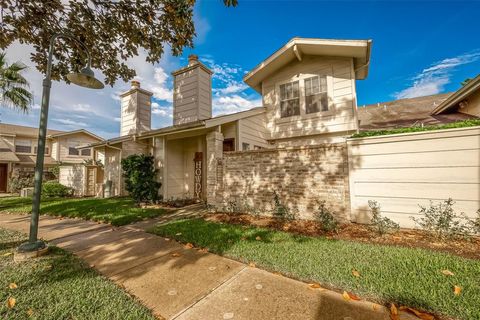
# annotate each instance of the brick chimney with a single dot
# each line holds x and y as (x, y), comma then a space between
(136, 113)
(192, 96)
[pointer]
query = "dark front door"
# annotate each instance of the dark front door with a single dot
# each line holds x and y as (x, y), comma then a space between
(3, 177)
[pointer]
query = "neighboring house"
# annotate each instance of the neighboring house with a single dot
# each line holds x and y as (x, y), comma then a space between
(18, 149)
(308, 100)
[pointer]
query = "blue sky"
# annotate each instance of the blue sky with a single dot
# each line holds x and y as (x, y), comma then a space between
(419, 48)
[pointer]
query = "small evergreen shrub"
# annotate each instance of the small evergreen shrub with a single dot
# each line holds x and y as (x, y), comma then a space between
(280, 210)
(474, 224)
(328, 223)
(379, 224)
(18, 182)
(441, 220)
(55, 189)
(140, 177)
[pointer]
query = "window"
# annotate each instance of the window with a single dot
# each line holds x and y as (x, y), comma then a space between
(47, 150)
(73, 151)
(86, 152)
(245, 146)
(316, 98)
(23, 146)
(228, 145)
(289, 99)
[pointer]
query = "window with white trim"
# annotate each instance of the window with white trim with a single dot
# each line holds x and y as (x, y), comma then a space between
(23, 146)
(289, 99)
(86, 152)
(316, 97)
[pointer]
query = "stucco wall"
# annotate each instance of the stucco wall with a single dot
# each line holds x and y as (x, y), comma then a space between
(403, 171)
(301, 176)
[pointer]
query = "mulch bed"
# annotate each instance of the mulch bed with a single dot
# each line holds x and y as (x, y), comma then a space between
(467, 248)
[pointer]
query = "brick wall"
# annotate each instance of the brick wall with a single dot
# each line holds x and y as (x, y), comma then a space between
(301, 177)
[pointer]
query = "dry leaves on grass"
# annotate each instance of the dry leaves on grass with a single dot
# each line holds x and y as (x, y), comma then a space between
(175, 254)
(203, 250)
(457, 290)
(420, 315)
(355, 273)
(252, 265)
(13, 285)
(350, 296)
(188, 246)
(11, 302)
(7, 254)
(448, 272)
(394, 312)
(29, 312)
(314, 285)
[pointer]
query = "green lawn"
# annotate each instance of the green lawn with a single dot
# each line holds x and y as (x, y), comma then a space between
(117, 211)
(59, 286)
(404, 276)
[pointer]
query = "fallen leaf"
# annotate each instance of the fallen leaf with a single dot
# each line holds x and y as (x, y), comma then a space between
(314, 285)
(258, 238)
(176, 254)
(353, 296)
(204, 250)
(356, 273)
(11, 302)
(448, 272)
(178, 234)
(346, 296)
(394, 312)
(457, 290)
(13, 285)
(277, 273)
(6, 254)
(374, 306)
(29, 312)
(189, 246)
(420, 315)
(252, 265)
(167, 239)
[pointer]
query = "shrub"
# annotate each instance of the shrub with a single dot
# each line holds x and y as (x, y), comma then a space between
(379, 224)
(474, 224)
(55, 189)
(280, 210)
(233, 207)
(140, 177)
(441, 220)
(328, 223)
(18, 182)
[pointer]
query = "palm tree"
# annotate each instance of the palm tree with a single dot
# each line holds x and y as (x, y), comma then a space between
(13, 86)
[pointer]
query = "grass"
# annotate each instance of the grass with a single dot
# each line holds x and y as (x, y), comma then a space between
(405, 276)
(59, 286)
(117, 211)
(458, 124)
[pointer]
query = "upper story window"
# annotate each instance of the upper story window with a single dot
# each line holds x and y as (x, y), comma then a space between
(86, 152)
(73, 151)
(23, 146)
(47, 150)
(289, 99)
(316, 97)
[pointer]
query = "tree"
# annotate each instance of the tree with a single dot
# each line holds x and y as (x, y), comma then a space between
(13, 86)
(112, 30)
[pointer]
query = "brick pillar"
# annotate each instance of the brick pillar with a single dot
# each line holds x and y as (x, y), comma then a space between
(214, 154)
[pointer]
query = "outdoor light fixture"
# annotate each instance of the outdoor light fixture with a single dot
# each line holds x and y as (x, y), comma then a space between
(85, 79)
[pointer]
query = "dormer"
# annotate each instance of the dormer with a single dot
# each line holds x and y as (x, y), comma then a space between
(308, 88)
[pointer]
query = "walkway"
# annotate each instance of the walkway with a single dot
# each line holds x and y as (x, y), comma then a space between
(181, 283)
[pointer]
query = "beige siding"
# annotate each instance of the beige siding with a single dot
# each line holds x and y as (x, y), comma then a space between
(73, 176)
(112, 169)
(473, 105)
(135, 113)
(77, 139)
(192, 98)
(403, 171)
(54, 151)
(253, 131)
(341, 96)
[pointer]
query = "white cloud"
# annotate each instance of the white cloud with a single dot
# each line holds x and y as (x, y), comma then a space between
(433, 79)
(160, 88)
(69, 122)
(234, 103)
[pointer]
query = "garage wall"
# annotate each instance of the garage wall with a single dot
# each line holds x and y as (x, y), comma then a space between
(403, 171)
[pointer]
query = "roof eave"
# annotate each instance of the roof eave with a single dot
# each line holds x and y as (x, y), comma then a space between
(458, 96)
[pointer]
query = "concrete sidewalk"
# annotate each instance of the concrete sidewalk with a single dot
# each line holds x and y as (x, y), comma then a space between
(181, 283)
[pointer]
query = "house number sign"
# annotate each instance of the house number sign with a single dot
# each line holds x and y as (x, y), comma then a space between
(197, 189)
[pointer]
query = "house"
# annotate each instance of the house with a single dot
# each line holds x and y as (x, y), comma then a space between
(18, 149)
(296, 141)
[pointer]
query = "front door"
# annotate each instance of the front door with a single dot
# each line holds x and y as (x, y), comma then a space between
(3, 177)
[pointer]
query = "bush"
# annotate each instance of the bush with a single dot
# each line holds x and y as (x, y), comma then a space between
(441, 220)
(19, 182)
(328, 223)
(140, 177)
(55, 189)
(280, 210)
(379, 224)
(474, 224)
